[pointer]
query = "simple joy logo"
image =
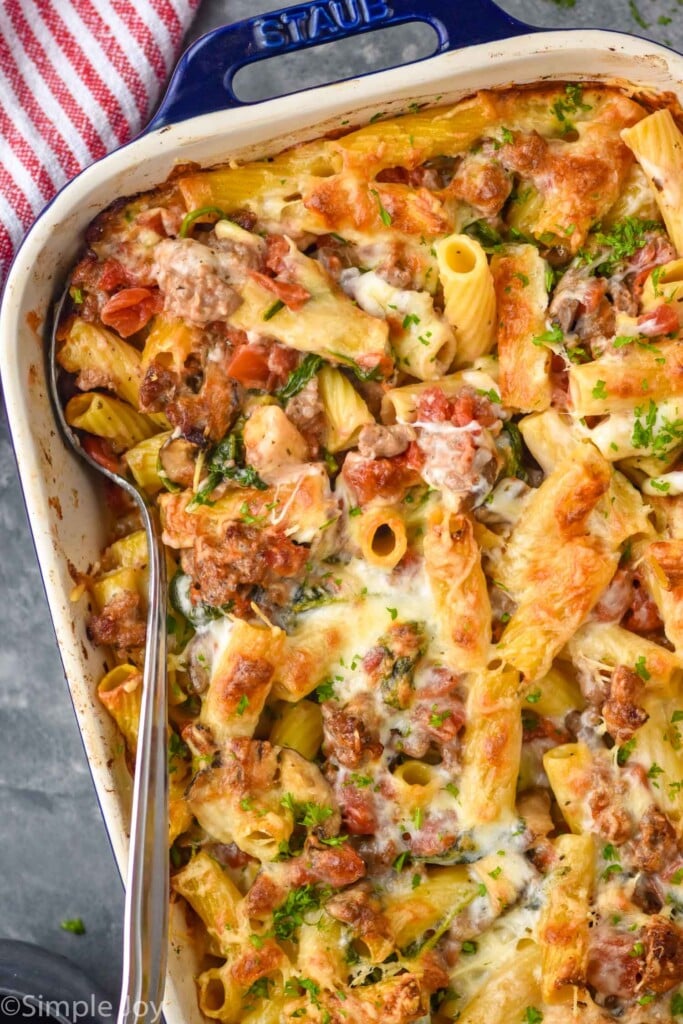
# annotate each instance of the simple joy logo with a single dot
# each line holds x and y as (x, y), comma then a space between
(40, 1008)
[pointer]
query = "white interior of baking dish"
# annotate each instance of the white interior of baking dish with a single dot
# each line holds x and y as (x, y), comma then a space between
(62, 497)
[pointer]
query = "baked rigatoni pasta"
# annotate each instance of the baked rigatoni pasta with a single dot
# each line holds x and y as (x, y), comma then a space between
(521, 301)
(408, 402)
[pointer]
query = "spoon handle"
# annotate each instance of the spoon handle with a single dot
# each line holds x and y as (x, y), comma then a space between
(145, 935)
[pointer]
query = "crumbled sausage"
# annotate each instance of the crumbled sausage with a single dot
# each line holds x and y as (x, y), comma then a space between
(332, 865)
(663, 943)
(348, 738)
(656, 844)
(193, 279)
(360, 908)
(121, 624)
(376, 441)
(621, 712)
(647, 895)
(242, 555)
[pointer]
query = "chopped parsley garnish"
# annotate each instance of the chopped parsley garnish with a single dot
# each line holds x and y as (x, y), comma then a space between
(469, 947)
(534, 696)
(247, 516)
(325, 691)
(553, 336)
(641, 668)
(654, 770)
(599, 391)
(74, 925)
(291, 914)
(306, 812)
(451, 788)
(260, 989)
(496, 872)
(401, 861)
(408, 319)
(355, 779)
(488, 237)
(625, 751)
(176, 749)
(384, 214)
(532, 1015)
(647, 435)
(393, 612)
(242, 704)
(437, 718)
(660, 485)
(333, 840)
(272, 310)
(623, 239)
(677, 1004)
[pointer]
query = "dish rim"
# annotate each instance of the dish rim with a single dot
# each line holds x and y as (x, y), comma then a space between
(299, 116)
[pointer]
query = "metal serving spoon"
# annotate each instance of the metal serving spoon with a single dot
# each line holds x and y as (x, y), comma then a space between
(145, 932)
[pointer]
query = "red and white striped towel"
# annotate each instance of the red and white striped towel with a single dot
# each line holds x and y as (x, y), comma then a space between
(77, 79)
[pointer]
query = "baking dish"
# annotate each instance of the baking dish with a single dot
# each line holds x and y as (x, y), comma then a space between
(62, 499)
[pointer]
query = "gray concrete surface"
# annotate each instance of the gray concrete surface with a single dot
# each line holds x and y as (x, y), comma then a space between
(55, 861)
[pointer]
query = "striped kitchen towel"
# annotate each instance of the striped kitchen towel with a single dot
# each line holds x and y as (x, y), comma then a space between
(77, 79)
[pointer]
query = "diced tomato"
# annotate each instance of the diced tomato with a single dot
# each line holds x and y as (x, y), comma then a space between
(99, 449)
(293, 295)
(662, 320)
(277, 248)
(383, 478)
(112, 275)
(130, 309)
(414, 457)
(460, 410)
(249, 366)
(118, 501)
(433, 406)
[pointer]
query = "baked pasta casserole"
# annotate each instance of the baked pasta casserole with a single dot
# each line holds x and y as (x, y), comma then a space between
(409, 401)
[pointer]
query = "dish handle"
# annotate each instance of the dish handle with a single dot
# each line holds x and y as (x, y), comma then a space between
(202, 81)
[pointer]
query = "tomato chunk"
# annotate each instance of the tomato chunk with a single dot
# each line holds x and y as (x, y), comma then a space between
(130, 309)
(99, 449)
(249, 366)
